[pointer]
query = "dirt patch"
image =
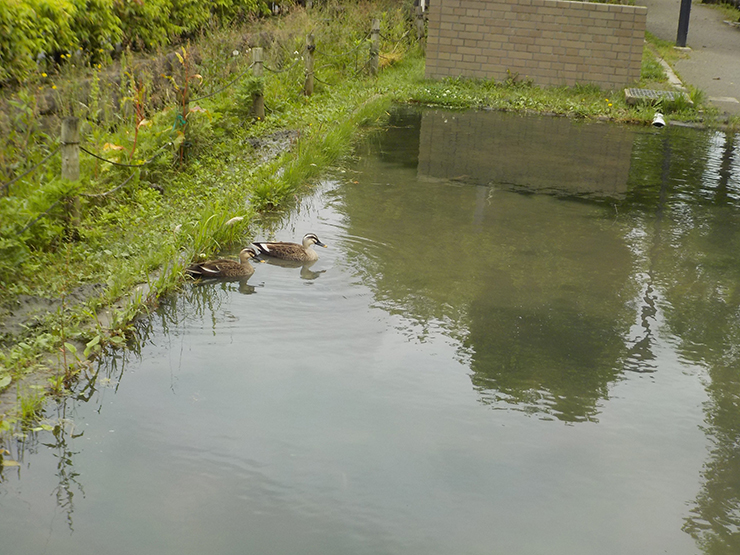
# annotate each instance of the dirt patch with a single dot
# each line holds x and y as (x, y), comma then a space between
(271, 146)
(25, 312)
(22, 316)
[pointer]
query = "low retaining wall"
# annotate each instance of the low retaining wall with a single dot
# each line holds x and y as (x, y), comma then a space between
(551, 42)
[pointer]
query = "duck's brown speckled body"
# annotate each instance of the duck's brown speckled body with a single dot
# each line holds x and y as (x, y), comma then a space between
(224, 267)
(291, 251)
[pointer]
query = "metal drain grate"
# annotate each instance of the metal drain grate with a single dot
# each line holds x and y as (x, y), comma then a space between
(649, 96)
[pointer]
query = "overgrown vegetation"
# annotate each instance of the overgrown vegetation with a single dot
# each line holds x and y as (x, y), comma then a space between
(176, 167)
(730, 8)
(34, 34)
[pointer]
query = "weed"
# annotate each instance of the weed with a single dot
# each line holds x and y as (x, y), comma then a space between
(652, 70)
(729, 11)
(30, 403)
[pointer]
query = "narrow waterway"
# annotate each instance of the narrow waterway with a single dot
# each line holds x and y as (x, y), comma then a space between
(522, 339)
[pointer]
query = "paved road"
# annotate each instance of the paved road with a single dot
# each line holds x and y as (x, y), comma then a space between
(713, 63)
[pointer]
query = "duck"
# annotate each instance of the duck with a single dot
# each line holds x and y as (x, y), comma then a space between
(224, 267)
(291, 251)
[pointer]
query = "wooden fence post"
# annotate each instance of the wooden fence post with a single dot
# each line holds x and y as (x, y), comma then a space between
(374, 46)
(70, 137)
(258, 100)
(420, 24)
(310, 47)
(71, 149)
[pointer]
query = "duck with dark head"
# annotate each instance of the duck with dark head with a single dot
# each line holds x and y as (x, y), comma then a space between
(291, 251)
(224, 267)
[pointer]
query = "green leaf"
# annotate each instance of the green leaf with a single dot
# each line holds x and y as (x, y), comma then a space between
(4, 382)
(71, 348)
(92, 346)
(179, 139)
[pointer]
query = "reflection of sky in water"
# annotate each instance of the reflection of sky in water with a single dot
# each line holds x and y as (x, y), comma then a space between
(410, 398)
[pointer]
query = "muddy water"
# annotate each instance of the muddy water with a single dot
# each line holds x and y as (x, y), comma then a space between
(521, 339)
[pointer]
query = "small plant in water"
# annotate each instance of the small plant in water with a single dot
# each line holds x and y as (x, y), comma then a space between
(30, 403)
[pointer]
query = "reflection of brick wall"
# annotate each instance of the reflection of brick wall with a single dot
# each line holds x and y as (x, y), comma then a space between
(536, 153)
(552, 42)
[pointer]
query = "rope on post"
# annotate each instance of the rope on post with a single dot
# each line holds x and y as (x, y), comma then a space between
(285, 69)
(44, 213)
(100, 195)
(122, 165)
(6, 186)
(222, 89)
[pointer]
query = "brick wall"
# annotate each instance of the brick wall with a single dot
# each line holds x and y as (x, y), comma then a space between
(498, 148)
(551, 42)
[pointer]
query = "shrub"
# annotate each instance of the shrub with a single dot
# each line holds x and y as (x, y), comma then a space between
(34, 29)
(97, 28)
(31, 30)
(145, 24)
(54, 21)
(155, 22)
(20, 40)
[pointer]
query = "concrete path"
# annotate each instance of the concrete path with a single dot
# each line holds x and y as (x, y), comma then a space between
(713, 63)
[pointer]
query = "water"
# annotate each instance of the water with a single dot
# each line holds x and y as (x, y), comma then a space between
(521, 339)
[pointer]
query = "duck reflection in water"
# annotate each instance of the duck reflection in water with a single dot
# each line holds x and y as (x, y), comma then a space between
(242, 285)
(306, 271)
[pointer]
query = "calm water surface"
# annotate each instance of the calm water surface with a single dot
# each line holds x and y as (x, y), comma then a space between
(522, 339)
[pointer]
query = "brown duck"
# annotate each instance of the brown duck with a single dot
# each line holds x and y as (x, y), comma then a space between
(224, 267)
(291, 251)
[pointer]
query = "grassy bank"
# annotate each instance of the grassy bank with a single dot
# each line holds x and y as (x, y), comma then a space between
(195, 177)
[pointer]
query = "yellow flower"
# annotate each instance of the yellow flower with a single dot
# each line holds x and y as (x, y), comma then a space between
(43, 75)
(610, 104)
(54, 87)
(606, 99)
